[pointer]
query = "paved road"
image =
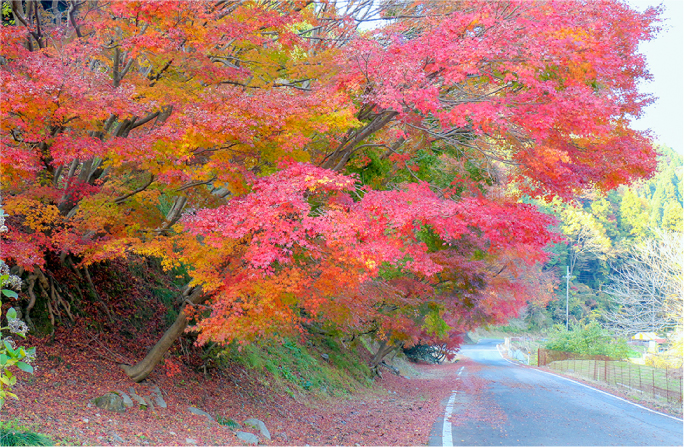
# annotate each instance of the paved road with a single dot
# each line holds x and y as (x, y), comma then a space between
(500, 403)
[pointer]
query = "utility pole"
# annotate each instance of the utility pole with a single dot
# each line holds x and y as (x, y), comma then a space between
(567, 298)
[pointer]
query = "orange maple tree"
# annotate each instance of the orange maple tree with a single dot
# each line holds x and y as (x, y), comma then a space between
(309, 172)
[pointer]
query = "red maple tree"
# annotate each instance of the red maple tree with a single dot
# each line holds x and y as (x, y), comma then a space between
(307, 172)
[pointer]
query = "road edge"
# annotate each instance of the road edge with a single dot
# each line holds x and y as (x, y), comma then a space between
(498, 348)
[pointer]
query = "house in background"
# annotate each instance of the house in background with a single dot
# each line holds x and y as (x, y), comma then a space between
(650, 340)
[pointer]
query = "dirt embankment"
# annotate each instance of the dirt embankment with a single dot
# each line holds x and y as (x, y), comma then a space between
(56, 401)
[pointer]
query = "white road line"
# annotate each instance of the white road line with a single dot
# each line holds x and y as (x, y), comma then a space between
(460, 370)
(447, 439)
(611, 395)
(499, 351)
(595, 389)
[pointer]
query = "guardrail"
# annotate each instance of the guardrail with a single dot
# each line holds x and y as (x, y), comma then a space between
(519, 355)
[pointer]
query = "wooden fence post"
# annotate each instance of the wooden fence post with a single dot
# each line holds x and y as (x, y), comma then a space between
(667, 383)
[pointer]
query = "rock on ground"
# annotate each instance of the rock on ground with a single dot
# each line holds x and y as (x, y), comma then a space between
(137, 398)
(127, 401)
(248, 437)
(158, 399)
(199, 412)
(258, 425)
(111, 402)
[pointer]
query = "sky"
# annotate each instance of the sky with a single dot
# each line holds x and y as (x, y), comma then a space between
(665, 57)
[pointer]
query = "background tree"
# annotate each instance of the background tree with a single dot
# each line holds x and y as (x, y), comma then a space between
(634, 216)
(647, 289)
(618, 220)
(586, 237)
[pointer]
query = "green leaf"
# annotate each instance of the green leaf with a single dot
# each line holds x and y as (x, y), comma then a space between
(9, 293)
(9, 348)
(11, 313)
(3, 359)
(25, 367)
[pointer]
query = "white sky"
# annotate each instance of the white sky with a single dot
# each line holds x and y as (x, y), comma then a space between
(665, 56)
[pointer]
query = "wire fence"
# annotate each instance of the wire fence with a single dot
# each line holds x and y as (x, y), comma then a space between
(663, 383)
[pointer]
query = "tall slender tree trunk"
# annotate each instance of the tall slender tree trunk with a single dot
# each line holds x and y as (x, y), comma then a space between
(143, 368)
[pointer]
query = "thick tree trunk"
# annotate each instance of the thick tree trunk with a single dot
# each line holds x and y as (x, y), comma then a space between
(384, 349)
(143, 368)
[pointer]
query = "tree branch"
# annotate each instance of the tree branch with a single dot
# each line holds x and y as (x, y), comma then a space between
(121, 199)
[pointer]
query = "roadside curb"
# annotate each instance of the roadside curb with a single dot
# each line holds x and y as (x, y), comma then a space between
(586, 385)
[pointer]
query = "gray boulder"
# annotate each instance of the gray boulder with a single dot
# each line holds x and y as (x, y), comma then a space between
(199, 412)
(248, 437)
(126, 398)
(256, 424)
(137, 398)
(111, 402)
(148, 402)
(158, 399)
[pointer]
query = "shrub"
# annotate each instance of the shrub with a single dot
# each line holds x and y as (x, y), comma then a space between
(12, 434)
(589, 339)
(425, 353)
(12, 356)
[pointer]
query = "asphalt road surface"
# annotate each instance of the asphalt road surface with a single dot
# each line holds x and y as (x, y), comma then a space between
(496, 402)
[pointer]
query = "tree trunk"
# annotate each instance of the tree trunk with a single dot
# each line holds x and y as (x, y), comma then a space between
(384, 349)
(143, 368)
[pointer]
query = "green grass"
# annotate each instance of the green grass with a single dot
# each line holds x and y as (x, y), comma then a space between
(228, 422)
(13, 433)
(296, 367)
(620, 373)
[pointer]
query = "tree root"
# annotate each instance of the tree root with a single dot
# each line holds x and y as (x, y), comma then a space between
(57, 298)
(45, 284)
(68, 260)
(97, 297)
(30, 286)
(114, 357)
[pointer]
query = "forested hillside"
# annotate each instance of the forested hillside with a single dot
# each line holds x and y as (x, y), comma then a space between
(600, 230)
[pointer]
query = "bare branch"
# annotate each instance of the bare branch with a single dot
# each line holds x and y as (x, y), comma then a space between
(120, 200)
(648, 288)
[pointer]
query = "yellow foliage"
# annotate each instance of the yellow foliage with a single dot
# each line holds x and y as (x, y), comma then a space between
(38, 216)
